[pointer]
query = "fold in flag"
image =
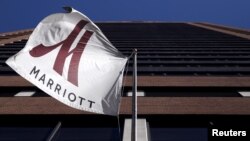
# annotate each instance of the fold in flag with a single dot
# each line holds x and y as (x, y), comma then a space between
(68, 57)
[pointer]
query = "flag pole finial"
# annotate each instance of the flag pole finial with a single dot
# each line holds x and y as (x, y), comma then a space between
(135, 50)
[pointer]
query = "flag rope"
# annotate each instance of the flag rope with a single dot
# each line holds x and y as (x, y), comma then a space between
(119, 127)
(125, 74)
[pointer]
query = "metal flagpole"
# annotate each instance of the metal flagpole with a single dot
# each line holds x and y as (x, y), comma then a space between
(134, 99)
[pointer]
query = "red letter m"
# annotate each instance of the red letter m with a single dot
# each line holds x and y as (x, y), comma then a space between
(64, 52)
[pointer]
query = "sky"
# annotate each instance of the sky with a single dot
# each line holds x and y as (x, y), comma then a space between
(25, 14)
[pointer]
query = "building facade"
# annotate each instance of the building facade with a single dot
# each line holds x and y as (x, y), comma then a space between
(192, 78)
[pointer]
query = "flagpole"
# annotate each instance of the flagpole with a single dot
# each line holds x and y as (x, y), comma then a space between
(134, 99)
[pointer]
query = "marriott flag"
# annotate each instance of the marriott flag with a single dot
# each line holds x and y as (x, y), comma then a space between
(69, 58)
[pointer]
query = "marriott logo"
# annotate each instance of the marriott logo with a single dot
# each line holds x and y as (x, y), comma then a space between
(65, 52)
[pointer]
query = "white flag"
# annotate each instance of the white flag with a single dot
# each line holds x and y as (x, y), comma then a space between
(69, 58)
